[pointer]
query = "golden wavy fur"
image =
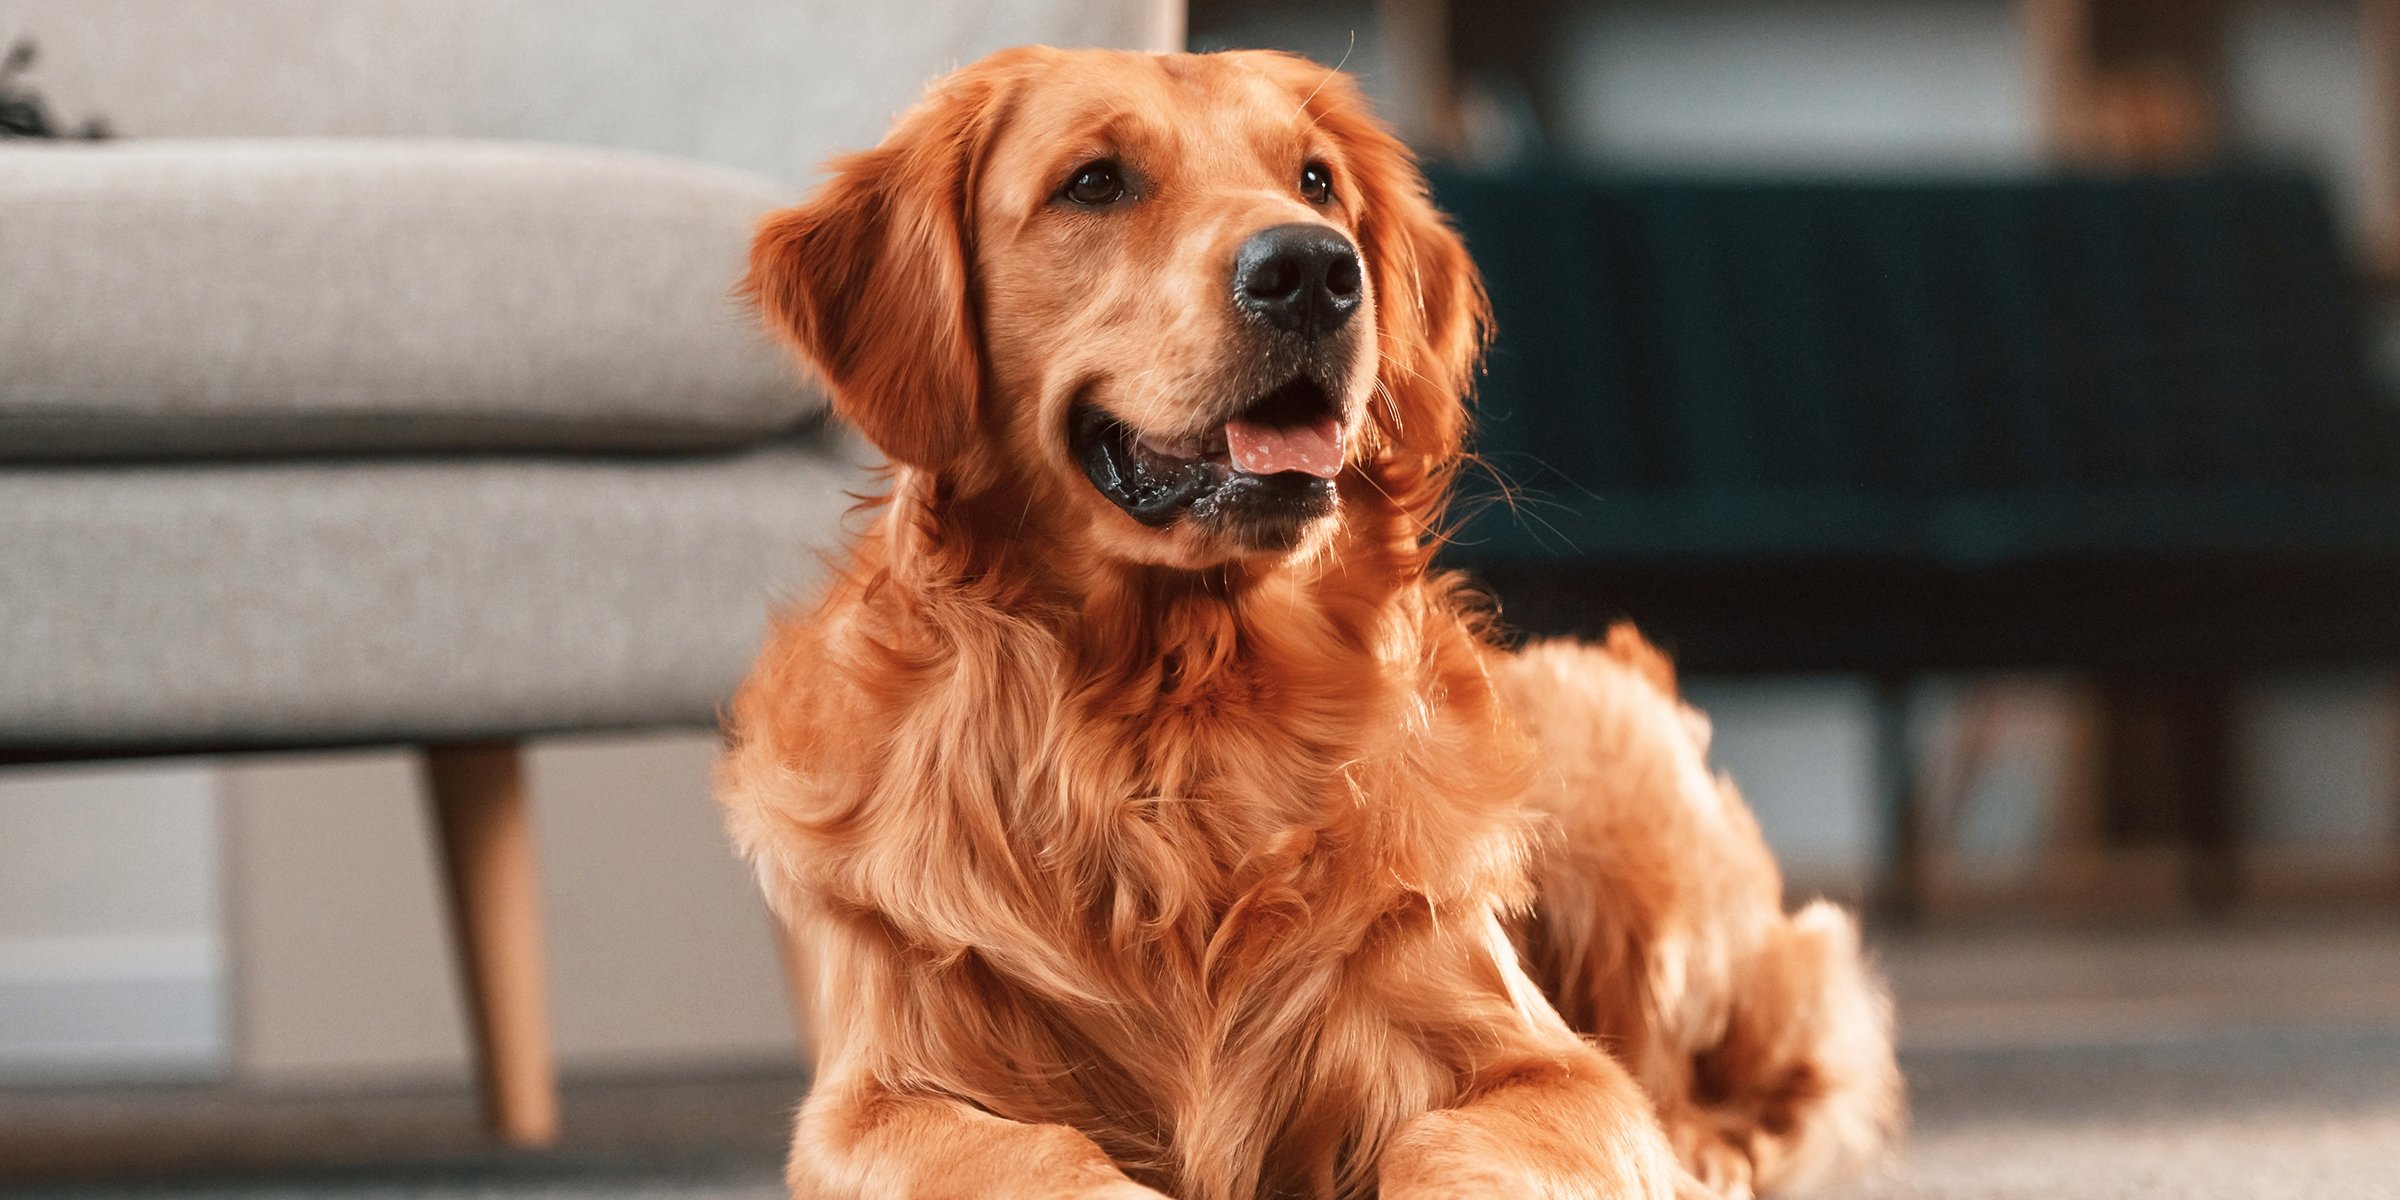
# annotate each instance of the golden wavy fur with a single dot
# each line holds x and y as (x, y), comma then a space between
(1227, 856)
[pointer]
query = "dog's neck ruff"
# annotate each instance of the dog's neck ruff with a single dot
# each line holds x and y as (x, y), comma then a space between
(1242, 703)
(1167, 808)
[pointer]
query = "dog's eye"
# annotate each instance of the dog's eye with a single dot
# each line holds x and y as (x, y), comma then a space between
(1096, 184)
(1316, 183)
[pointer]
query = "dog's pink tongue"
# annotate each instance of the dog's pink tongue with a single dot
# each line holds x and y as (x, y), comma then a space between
(1271, 449)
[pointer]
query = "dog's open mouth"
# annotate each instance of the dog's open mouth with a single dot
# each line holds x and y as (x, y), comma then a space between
(1274, 462)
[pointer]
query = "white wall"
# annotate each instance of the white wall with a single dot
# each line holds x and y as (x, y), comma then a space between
(110, 955)
(1812, 85)
(2298, 84)
(1844, 86)
(1802, 750)
(279, 917)
(343, 965)
(661, 954)
(2320, 752)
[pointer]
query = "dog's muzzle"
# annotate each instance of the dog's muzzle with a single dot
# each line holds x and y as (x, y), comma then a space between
(1268, 469)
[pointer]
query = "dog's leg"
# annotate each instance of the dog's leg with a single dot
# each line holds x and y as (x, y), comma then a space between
(860, 1141)
(1578, 1128)
(1547, 1115)
(862, 1137)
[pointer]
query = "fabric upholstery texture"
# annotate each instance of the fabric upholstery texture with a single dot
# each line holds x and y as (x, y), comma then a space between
(290, 603)
(191, 299)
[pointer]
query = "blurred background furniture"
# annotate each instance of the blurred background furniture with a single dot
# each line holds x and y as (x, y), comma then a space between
(2020, 372)
(347, 403)
(2119, 426)
(344, 443)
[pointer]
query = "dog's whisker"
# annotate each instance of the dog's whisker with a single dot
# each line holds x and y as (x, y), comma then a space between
(1329, 75)
(1024, 514)
(1391, 406)
(1424, 528)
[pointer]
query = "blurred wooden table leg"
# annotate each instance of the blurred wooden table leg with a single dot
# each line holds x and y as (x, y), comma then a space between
(2379, 149)
(495, 908)
(2167, 745)
(1900, 892)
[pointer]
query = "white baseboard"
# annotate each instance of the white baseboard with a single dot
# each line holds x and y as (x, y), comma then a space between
(90, 1008)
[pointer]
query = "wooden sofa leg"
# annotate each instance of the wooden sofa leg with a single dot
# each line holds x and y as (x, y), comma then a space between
(496, 917)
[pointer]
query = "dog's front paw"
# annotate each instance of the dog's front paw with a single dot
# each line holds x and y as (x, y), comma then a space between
(1445, 1155)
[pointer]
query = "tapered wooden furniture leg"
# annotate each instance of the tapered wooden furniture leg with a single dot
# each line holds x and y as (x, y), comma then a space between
(496, 915)
(1901, 892)
(2168, 753)
(2212, 815)
(2379, 156)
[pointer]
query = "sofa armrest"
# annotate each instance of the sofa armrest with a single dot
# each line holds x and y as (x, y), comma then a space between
(180, 299)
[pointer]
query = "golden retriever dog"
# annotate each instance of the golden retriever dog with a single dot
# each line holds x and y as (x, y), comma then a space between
(1156, 820)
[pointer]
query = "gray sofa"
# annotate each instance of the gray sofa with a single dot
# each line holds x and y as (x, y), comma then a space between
(337, 443)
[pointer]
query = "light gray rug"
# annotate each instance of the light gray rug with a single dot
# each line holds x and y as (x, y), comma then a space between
(2258, 1116)
(2058, 1068)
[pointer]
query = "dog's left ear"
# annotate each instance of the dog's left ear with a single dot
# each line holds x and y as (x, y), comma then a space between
(1430, 305)
(867, 278)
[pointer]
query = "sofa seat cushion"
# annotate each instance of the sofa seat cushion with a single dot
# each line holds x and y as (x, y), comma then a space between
(280, 604)
(175, 299)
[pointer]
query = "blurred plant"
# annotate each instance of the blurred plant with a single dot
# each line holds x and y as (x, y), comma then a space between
(22, 113)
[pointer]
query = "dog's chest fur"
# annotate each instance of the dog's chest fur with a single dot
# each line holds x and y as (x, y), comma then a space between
(1167, 906)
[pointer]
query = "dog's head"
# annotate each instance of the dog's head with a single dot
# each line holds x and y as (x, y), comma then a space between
(1184, 303)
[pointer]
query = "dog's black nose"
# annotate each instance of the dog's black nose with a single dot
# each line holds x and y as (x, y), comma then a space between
(1303, 279)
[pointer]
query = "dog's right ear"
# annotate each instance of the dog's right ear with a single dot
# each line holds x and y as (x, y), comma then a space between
(867, 278)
